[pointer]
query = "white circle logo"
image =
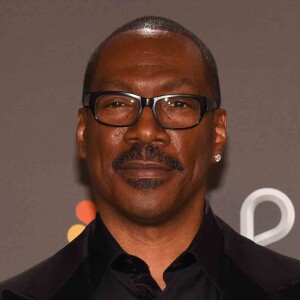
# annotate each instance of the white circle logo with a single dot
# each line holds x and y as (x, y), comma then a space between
(247, 216)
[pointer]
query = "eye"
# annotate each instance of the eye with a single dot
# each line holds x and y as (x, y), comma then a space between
(116, 104)
(177, 104)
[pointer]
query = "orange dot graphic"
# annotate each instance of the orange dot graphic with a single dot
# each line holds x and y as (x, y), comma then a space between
(74, 231)
(86, 211)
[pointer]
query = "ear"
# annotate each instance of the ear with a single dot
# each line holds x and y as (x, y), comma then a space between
(220, 134)
(80, 133)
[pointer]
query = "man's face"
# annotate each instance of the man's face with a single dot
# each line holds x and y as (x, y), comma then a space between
(144, 172)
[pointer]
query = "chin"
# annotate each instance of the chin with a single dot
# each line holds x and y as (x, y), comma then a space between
(153, 210)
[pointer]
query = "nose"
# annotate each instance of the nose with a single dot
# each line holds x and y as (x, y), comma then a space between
(147, 131)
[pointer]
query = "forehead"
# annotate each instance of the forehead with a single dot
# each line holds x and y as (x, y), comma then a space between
(149, 56)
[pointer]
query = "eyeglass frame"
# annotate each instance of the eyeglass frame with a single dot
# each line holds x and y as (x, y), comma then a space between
(206, 104)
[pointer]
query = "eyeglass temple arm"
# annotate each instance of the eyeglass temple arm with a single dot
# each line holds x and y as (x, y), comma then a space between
(86, 100)
(211, 104)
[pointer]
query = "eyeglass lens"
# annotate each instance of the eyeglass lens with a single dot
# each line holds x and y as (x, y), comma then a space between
(172, 111)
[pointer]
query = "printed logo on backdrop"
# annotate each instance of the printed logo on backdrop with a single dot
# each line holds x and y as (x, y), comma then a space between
(278, 232)
(86, 211)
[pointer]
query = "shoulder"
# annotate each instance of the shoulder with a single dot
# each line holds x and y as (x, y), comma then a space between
(22, 280)
(36, 279)
(268, 269)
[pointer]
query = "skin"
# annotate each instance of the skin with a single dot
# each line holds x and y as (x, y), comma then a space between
(156, 224)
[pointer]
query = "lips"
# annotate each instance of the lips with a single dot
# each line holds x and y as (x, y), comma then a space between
(144, 169)
(143, 165)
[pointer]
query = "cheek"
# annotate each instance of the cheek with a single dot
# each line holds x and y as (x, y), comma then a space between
(115, 136)
(103, 146)
(194, 148)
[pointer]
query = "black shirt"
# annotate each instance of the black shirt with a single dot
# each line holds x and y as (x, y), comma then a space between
(196, 274)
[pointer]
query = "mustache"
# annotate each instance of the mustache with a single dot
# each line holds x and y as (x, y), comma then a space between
(146, 153)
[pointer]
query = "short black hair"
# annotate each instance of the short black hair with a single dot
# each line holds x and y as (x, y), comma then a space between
(164, 24)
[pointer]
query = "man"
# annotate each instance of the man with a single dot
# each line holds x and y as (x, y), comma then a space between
(150, 129)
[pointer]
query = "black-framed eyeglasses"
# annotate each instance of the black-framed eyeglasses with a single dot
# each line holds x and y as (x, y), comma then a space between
(123, 109)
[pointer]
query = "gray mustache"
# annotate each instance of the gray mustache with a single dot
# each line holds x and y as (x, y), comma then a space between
(146, 153)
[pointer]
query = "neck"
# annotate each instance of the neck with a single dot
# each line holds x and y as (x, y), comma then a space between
(158, 245)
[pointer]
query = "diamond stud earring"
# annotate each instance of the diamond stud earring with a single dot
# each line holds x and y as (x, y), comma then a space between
(217, 157)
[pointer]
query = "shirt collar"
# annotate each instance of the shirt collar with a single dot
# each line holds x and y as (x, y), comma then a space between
(104, 249)
(207, 247)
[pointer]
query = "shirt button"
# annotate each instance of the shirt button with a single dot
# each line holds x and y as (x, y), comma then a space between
(131, 265)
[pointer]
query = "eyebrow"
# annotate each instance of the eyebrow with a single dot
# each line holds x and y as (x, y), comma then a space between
(165, 86)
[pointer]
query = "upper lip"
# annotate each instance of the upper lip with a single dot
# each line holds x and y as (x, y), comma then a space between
(144, 165)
